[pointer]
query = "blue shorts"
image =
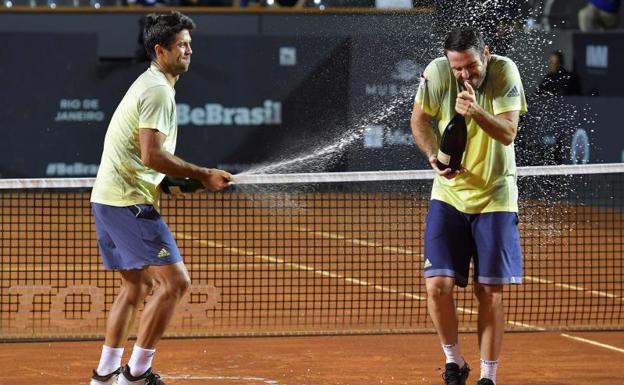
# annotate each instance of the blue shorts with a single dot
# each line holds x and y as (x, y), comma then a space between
(453, 238)
(133, 237)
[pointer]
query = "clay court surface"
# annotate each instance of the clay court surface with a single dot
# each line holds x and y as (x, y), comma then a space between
(542, 358)
(300, 265)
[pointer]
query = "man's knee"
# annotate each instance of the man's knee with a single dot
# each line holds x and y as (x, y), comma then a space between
(491, 295)
(135, 292)
(176, 286)
(439, 287)
(183, 285)
(147, 286)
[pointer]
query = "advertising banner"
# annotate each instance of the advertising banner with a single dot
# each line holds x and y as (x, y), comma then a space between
(384, 79)
(598, 58)
(53, 115)
(246, 101)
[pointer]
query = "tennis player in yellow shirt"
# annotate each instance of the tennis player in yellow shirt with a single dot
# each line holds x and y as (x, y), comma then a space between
(473, 212)
(132, 237)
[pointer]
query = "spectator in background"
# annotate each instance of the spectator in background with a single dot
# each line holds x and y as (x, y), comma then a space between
(599, 15)
(556, 133)
(558, 80)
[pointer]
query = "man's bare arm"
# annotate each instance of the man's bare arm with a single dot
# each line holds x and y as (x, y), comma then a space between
(502, 127)
(422, 131)
(155, 157)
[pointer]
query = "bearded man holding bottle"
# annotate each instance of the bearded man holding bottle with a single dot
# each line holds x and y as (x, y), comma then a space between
(473, 210)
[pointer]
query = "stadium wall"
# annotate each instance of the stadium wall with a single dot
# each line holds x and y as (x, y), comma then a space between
(263, 88)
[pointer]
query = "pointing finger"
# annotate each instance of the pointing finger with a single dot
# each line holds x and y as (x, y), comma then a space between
(469, 88)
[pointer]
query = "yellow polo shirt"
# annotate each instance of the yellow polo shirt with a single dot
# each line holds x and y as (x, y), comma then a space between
(122, 179)
(489, 185)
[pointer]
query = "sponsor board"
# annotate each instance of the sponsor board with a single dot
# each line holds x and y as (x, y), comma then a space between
(71, 169)
(215, 114)
(376, 136)
(79, 110)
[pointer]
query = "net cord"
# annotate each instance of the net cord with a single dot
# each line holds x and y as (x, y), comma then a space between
(327, 177)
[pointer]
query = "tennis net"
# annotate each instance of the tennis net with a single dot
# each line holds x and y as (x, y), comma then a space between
(328, 253)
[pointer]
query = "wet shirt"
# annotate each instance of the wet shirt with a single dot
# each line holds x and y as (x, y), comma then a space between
(122, 179)
(489, 185)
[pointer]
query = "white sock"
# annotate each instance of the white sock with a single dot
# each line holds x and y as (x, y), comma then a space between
(453, 354)
(488, 370)
(110, 360)
(140, 360)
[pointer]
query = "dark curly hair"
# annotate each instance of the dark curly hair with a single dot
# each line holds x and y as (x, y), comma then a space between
(161, 29)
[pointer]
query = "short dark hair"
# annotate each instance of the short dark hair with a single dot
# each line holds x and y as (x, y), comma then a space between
(464, 38)
(161, 29)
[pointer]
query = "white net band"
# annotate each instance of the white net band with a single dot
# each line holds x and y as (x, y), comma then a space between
(328, 177)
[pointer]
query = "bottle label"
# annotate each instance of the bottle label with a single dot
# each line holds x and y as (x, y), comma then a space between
(444, 158)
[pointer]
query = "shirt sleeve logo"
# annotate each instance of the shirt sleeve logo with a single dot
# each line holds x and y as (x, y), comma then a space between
(513, 92)
(163, 253)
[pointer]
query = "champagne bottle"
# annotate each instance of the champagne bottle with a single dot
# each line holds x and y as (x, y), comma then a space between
(177, 185)
(453, 144)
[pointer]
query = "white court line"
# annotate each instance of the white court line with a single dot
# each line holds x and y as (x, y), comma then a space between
(221, 378)
(325, 273)
(411, 252)
(355, 241)
(574, 287)
(526, 326)
(592, 342)
(299, 266)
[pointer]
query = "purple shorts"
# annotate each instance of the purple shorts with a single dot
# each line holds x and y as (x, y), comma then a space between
(453, 238)
(133, 237)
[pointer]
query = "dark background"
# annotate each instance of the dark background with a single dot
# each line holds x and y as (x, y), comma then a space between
(348, 96)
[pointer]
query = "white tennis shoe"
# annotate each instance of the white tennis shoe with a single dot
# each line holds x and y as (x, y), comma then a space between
(109, 379)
